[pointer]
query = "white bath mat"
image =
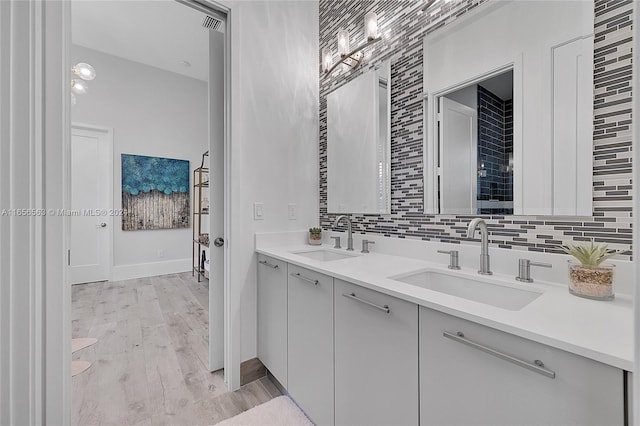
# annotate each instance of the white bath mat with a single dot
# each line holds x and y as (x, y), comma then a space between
(280, 411)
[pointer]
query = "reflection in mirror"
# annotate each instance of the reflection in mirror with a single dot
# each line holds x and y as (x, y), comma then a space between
(476, 148)
(509, 110)
(359, 144)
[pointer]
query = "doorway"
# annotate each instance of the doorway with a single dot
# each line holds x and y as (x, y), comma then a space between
(91, 188)
(159, 331)
(475, 147)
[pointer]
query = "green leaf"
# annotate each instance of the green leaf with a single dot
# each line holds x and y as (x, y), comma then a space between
(590, 256)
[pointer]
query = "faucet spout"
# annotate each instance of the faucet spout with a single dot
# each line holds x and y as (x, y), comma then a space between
(485, 260)
(349, 230)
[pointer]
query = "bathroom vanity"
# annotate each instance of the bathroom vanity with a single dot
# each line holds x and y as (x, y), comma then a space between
(372, 339)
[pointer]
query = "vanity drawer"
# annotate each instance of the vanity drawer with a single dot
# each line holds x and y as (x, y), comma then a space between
(472, 374)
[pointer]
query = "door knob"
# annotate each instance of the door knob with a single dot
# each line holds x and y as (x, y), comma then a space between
(218, 242)
(103, 225)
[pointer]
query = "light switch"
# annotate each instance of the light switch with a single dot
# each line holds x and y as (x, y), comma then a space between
(293, 211)
(258, 211)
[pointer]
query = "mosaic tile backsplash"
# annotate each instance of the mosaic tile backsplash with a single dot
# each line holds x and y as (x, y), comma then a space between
(404, 31)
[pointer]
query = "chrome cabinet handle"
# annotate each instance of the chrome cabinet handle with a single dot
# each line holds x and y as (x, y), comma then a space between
(536, 367)
(353, 296)
(303, 278)
(270, 265)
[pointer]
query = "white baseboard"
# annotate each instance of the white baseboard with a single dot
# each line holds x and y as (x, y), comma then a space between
(152, 269)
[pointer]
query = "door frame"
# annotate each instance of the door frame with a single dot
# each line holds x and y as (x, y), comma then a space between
(431, 103)
(232, 319)
(108, 131)
(60, 387)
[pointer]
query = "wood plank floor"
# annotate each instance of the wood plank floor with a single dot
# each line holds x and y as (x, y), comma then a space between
(149, 365)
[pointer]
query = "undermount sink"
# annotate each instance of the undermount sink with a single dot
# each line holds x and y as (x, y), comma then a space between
(499, 295)
(323, 255)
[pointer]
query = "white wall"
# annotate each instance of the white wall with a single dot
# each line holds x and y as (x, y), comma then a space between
(155, 113)
(274, 152)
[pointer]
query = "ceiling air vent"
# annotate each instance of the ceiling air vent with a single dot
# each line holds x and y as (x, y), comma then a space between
(212, 23)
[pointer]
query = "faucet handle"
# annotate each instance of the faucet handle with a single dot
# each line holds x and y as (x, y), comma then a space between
(453, 258)
(365, 245)
(524, 269)
(337, 244)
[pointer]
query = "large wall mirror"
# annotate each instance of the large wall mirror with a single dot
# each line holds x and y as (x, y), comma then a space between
(359, 144)
(509, 110)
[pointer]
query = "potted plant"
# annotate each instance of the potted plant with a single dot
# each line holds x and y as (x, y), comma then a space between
(315, 236)
(589, 277)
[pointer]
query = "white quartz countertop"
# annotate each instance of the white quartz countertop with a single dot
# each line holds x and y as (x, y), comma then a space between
(599, 330)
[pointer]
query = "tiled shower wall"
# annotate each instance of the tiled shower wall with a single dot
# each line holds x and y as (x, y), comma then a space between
(493, 149)
(404, 30)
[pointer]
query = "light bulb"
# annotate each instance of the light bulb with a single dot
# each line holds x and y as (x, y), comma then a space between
(79, 87)
(327, 60)
(84, 71)
(343, 43)
(371, 26)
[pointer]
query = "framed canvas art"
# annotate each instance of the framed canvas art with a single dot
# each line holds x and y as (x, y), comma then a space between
(155, 193)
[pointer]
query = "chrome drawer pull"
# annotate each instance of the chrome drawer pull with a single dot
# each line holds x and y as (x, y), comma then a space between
(303, 278)
(270, 265)
(353, 296)
(537, 366)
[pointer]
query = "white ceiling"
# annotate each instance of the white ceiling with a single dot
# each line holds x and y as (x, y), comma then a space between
(159, 33)
(500, 85)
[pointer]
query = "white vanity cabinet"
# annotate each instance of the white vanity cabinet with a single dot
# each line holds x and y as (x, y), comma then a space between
(478, 375)
(310, 360)
(376, 358)
(272, 316)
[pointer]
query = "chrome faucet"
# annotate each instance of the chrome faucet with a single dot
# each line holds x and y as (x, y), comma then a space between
(349, 230)
(485, 264)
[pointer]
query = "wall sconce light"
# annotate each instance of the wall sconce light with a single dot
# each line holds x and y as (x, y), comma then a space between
(327, 59)
(79, 86)
(343, 43)
(353, 58)
(84, 71)
(371, 26)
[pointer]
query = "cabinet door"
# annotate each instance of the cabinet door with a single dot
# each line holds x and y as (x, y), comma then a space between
(462, 383)
(310, 344)
(376, 358)
(272, 316)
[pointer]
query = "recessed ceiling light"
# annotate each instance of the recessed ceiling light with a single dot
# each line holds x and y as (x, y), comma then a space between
(185, 64)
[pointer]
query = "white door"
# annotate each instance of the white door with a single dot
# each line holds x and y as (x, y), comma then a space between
(91, 193)
(216, 188)
(458, 157)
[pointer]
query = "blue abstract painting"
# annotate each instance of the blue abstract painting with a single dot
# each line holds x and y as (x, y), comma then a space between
(155, 193)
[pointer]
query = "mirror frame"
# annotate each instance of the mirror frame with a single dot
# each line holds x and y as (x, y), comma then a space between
(430, 119)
